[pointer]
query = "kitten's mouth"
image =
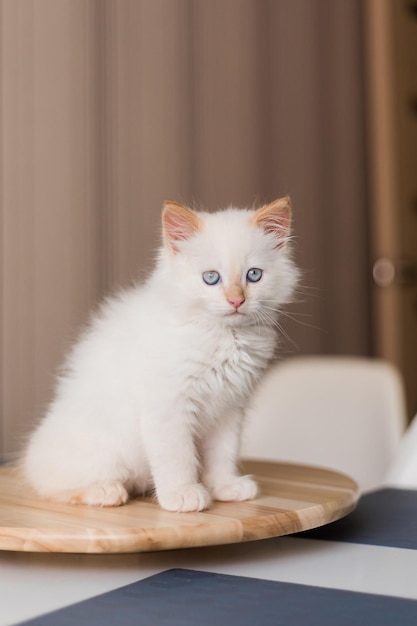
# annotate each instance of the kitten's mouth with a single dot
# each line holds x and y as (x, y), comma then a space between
(233, 314)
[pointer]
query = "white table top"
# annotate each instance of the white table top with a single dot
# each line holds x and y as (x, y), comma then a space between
(32, 584)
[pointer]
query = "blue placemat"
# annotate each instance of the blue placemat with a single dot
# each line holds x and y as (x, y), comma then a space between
(190, 598)
(387, 517)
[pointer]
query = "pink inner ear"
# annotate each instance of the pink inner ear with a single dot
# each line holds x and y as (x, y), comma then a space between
(277, 224)
(179, 222)
(274, 218)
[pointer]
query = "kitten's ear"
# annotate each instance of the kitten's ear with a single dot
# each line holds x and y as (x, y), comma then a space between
(179, 223)
(275, 218)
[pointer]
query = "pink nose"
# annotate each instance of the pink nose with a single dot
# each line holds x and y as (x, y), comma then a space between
(237, 301)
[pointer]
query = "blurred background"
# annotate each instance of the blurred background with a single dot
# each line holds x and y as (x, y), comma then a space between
(108, 107)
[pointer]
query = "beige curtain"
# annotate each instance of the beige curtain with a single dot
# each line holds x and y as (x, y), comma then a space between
(110, 106)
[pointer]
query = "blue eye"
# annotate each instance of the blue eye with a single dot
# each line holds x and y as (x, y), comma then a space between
(254, 275)
(211, 277)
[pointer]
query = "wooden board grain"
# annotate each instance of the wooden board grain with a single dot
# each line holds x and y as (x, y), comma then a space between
(292, 498)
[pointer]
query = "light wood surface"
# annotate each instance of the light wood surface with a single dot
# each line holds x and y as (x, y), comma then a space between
(292, 498)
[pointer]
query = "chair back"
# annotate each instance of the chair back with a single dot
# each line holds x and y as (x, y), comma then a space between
(342, 413)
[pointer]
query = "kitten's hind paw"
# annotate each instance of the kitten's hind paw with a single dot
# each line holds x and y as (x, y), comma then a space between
(193, 497)
(112, 493)
(239, 489)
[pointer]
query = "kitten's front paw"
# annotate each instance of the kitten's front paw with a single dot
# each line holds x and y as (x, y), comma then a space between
(193, 497)
(237, 490)
(101, 494)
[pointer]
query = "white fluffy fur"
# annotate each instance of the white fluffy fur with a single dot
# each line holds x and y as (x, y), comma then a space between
(154, 391)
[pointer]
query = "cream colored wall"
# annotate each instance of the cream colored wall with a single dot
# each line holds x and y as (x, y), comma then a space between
(110, 106)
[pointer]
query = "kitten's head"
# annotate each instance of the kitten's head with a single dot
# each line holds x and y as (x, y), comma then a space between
(233, 265)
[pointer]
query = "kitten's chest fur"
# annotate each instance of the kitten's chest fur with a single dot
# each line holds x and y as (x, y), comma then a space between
(228, 366)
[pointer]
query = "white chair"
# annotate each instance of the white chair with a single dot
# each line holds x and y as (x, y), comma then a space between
(342, 413)
(403, 470)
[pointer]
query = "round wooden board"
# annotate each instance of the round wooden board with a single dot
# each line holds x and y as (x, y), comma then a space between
(292, 498)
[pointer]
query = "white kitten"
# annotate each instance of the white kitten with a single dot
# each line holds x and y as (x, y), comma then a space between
(153, 393)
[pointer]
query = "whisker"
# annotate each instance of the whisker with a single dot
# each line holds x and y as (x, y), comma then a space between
(293, 316)
(273, 320)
